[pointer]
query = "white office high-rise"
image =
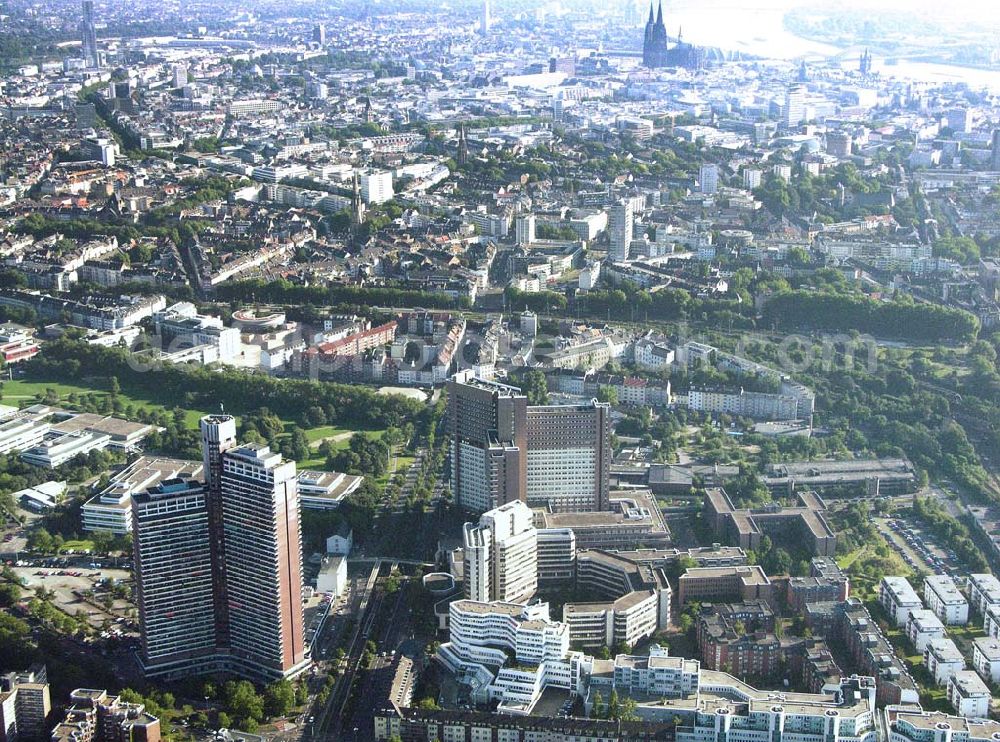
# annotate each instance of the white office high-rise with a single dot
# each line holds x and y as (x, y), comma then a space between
(501, 555)
(795, 106)
(621, 219)
(525, 229)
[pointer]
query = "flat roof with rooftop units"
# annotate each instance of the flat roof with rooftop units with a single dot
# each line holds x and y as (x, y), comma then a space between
(325, 490)
(111, 508)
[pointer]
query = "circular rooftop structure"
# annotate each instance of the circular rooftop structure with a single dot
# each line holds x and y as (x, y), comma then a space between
(439, 583)
(258, 320)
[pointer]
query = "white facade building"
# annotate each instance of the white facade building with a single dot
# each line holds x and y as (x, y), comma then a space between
(60, 449)
(501, 555)
(907, 725)
(943, 659)
(969, 695)
(986, 658)
(376, 188)
(485, 638)
(656, 674)
(730, 710)
(922, 626)
(943, 597)
(340, 544)
(984, 592)
(653, 352)
(898, 598)
(991, 622)
(19, 433)
(525, 229)
(332, 577)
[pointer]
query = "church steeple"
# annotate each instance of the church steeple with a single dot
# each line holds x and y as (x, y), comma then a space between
(659, 15)
(357, 208)
(650, 21)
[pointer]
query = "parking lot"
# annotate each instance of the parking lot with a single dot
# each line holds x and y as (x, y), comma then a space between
(77, 589)
(919, 548)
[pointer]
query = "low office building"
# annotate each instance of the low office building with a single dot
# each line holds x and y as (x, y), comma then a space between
(556, 555)
(943, 659)
(872, 477)
(19, 432)
(325, 490)
(634, 520)
(943, 597)
(636, 606)
(61, 448)
(715, 555)
(969, 695)
(726, 709)
(111, 508)
(180, 326)
(984, 592)
(802, 525)
(654, 674)
(41, 497)
(986, 658)
(724, 584)
(123, 435)
(898, 598)
(910, 724)
(922, 626)
(509, 653)
(626, 620)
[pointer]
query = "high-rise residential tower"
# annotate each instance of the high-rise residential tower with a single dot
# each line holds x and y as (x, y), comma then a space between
(219, 564)
(485, 18)
(795, 110)
(218, 435)
(525, 229)
(174, 578)
(260, 516)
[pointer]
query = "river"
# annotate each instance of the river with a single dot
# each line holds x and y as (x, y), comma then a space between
(756, 27)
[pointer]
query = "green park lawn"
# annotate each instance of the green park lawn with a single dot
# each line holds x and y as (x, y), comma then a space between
(21, 391)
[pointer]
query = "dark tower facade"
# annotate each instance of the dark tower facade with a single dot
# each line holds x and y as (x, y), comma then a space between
(654, 47)
(88, 35)
(657, 53)
(462, 156)
(865, 63)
